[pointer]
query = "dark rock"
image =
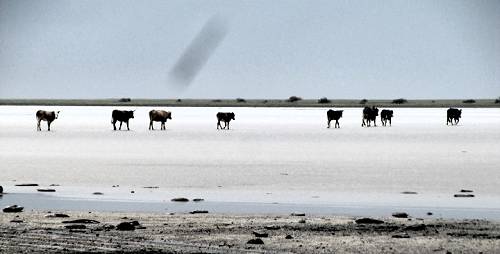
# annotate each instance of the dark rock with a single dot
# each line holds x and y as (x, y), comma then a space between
(150, 187)
(464, 195)
(302, 221)
(97, 193)
(272, 227)
(81, 221)
(1, 189)
(401, 236)
(17, 221)
(255, 241)
(368, 221)
(409, 192)
(260, 234)
(198, 211)
(288, 237)
(429, 213)
(416, 227)
(400, 215)
(180, 200)
(57, 215)
(27, 184)
(135, 223)
(13, 209)
(132, 191)
(54, 185)
(46, 190)
(125, 226)
(466, 190)
(198, 200)
(76, 226)
(298, 214)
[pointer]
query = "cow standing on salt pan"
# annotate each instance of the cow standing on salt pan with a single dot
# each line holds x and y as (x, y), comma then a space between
(159, 116)
(49, 116)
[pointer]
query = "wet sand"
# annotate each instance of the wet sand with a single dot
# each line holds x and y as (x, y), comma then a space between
(220, 233)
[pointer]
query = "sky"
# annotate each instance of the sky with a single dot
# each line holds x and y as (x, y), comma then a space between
(269, 49)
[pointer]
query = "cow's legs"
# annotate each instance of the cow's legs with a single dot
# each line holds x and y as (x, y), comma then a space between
(120, 125)
(390, 122)
(151, 125)
(114, 124)
(38, 128)
(328, 123)
(218, 124)
(375, 122)
(48, 125)
(162, 127)
(127, 125)
(227, 125)
(337, 124)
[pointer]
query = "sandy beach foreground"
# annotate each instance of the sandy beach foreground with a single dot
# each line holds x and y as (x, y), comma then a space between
(42, 232)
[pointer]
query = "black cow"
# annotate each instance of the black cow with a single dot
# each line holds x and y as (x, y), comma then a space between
(159, 116)
(369, 114)
(386, 115)
(334, 115)
(453, 114)
(226, 117)
(122, 116)
(49, 116)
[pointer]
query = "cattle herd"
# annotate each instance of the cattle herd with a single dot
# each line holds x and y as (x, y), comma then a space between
(369, 115)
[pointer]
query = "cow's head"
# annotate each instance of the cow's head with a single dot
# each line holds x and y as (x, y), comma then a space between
(375, 111)
(57, 114)
(232, 115)
(130, 114)
(390, 113)
(459, 113)
(169, 115)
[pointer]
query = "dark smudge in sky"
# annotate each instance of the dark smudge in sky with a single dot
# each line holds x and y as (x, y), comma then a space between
(198, 52)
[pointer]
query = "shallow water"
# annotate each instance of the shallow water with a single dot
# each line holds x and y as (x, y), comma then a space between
(280, 155)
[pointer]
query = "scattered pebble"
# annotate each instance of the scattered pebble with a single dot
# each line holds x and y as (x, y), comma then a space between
(198, 211)
(298, 214)
(17, 221)
(151, 187)
(368, 221)
(272, 227)
(46, 190)
(466, 190)
(198, 200)
(302, 221)
(81, 221)
(429, 213)
(400, 215)
(416, 227)
(97, 193)
(409, 192)
(180, 200)
(288, 237)
(54, 185)
(464, 195)
(57, 215)
(132, 191)
(401, 236)
(13, 209)
(125, 226)
(26, 184)
(255, 241)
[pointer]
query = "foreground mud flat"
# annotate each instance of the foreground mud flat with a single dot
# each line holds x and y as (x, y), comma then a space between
(45, 232)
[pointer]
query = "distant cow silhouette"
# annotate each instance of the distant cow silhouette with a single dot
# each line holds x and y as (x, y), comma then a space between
(453, 114)
(225, 117)
(122, 116)
(49, 116)
(386, 115)
(159, 116)
(369, 114)
(334, 115)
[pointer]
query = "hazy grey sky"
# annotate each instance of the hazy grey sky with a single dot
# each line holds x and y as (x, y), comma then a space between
(272, 49)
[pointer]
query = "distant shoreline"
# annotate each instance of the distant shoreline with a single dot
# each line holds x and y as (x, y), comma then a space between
(305, 103)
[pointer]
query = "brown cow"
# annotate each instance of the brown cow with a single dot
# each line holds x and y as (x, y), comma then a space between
(49, 116)
(159, 116)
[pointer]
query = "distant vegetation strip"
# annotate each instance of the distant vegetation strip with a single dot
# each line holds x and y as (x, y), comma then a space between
(293, 101)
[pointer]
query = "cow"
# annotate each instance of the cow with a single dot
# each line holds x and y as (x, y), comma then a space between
(226, 117)
(369, 114)
(49, 116)
(159, 116)
(334, 115)
(453, 114)
(122, 116)
(385, 115)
